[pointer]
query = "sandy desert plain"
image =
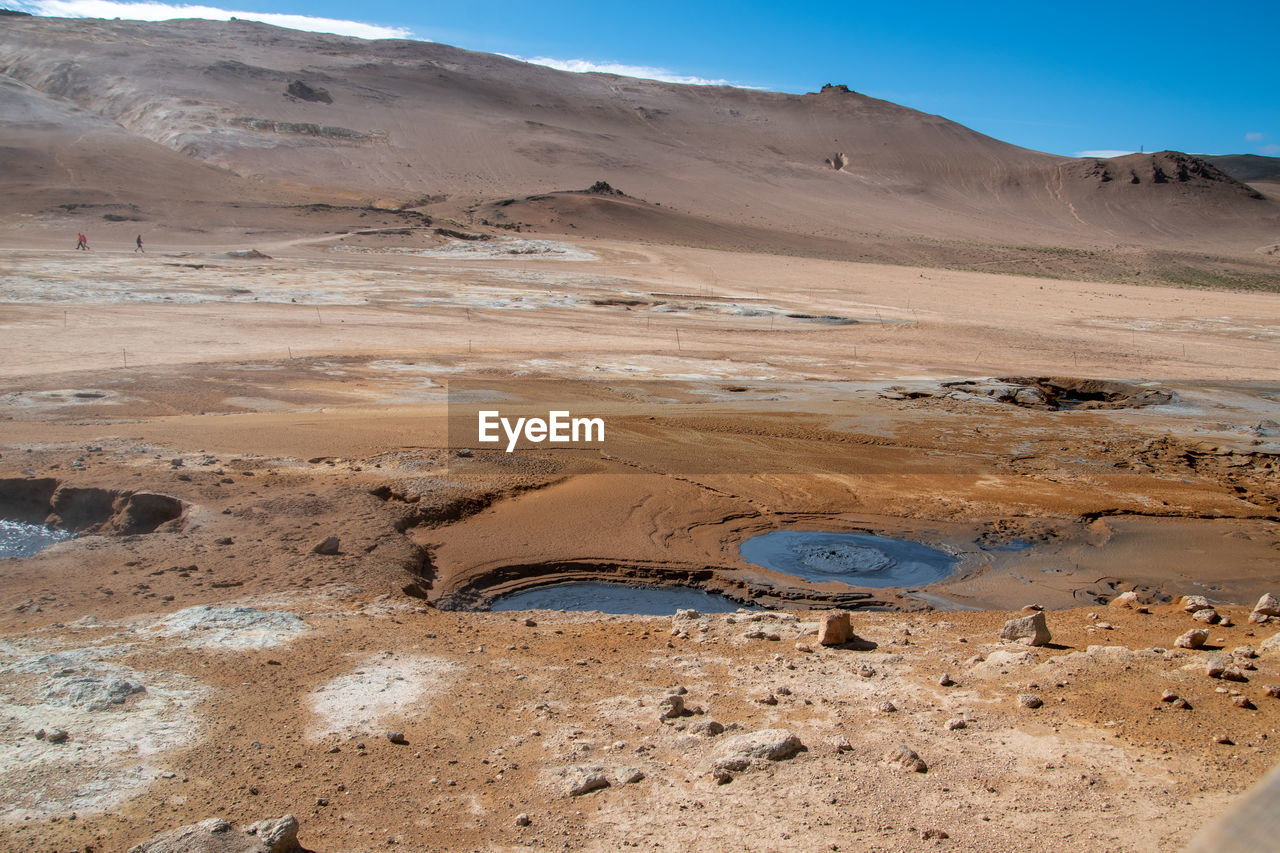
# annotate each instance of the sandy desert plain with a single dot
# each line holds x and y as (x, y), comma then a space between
(869, 321)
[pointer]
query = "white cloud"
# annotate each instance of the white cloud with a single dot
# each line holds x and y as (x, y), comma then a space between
(646, 72)
(168, 11)
(1271, 149)
(1103, 152)
(1254, 137)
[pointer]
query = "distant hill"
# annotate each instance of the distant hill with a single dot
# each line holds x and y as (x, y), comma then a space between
(1246, 167)
(258, 111)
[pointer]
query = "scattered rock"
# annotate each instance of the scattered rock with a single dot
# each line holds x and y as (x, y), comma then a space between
(835, 629)
(1270, 644)
(215, 835)
(946, 680)
(931, 834)
(397, 737)
(1126, 599)
(721, 776)
(1207, 615)
(1029, 700)
(583, 780)
(840, 743)
(1271, 691)
(53, 736)
(1181, 704)
(906, 758)
(956, 723)
(1168, 696)
(671, 706)
(1193, 639)
(1268, 606)
(1245, 652)
(738, 752)
(886, 707)
(1243, 702)
(710, 728)
(1030, 630)
(804, 647)
(1223, 739)
(523, 819)
(328, 547)
(767, 699)
(867, 671)
(1192, 603)
(1214, 667)
(1233, 673)
(630, 775)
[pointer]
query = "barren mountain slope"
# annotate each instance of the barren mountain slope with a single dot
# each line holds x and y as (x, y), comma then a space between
(410, 120)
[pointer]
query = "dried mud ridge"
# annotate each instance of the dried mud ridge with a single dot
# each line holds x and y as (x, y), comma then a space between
(89, 510)
(481, 590)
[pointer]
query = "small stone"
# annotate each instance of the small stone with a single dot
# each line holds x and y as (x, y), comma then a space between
(767, 699)
(1168, 696)
(1192, 603)
(1106, 626)
(886, 707)
(931, 834)
(1029, 630)
(1181, 704)
(721, 776)
(1033, 608)
(841, 744)
(867, 671)
(328, 547)
(906, 758)
(709, 728)
(1208, 615)
(1214, 667)
(530, 623)
(835, 629)
(956, 723)
(1193, 639)
(1223, 739)
(397, 737)
(1271, 691)
(946, 680)
(1245, 652)
(631, 775)
(1125, 599)
(1029, 700)
(738, 752)
(584, 781)
(57, 736)
(523, 819)
(1243, 702)
(671, 706)
(1233, 673)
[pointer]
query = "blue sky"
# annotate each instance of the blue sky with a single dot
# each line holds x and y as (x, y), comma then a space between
(1063, 79)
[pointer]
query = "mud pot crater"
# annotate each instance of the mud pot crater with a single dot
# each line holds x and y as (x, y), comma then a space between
(44, 510)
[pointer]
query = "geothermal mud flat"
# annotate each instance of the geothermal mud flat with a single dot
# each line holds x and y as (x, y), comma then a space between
(204, 423)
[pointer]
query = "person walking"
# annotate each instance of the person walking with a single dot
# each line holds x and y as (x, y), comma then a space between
(82, 242)
(139, 247)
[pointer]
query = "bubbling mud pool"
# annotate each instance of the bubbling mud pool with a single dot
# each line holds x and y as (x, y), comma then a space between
(859, 559)
(616, 598)
(20, 539)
